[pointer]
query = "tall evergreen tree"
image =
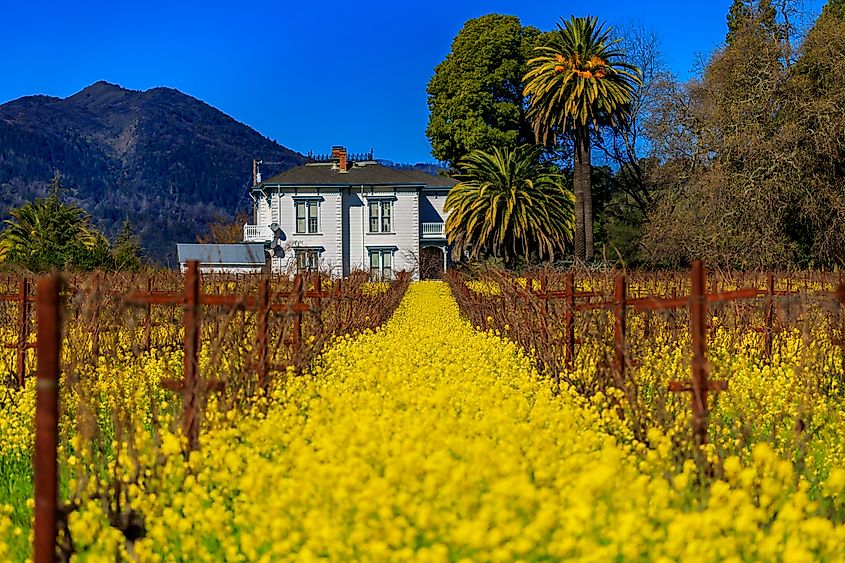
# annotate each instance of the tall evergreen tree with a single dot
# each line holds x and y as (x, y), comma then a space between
(815, 134)
(739, 16)
(834, 9)
(746, 16)
(127, 250)
(48, 234)
(475, 96)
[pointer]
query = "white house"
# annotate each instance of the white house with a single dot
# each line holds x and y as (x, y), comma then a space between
(348, 212)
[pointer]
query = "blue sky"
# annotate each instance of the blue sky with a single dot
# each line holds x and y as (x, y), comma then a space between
(308, 74)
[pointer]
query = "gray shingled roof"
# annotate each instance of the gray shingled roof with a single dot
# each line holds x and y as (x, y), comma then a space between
(249, 254)
(370, 174)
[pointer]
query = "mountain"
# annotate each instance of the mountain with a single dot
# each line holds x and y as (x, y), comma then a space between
(169, 162)
(427, 167)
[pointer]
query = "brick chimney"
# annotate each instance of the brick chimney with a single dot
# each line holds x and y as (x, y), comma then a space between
(339, 156)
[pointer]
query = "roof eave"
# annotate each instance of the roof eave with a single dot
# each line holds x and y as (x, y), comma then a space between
(345, 185)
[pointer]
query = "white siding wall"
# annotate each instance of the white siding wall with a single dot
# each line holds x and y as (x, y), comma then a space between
(263, 214)
(224, 269)
(405, 222)
(407, 213)
(344, 226)
(330, 228)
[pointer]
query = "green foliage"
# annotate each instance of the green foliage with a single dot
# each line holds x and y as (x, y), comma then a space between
(126, 253)
(813, 139)
(49, 234)
(618, 217)
(738, 16)
(16, 488)
(475, 96)
(509, 205)
(834, 9)
(97, 257)
(752, 16)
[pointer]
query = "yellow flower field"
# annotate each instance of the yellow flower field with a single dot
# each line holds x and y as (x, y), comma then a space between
(429, 440)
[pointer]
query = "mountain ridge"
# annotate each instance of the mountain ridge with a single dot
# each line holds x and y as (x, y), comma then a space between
(169, 162)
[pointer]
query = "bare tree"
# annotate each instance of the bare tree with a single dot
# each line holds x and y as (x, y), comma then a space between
(631, 149)
(226, 230)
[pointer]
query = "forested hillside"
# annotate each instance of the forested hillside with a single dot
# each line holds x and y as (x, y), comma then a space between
(169, 162)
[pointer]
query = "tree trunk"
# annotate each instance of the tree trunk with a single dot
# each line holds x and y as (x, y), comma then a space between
(579, 214)
(583, 196)
(587, 179)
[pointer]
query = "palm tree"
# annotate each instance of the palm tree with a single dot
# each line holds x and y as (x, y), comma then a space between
(576, 82)
(508, 204)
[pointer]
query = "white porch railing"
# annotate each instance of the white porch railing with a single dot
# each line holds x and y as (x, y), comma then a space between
(257, 233)
(432, 230)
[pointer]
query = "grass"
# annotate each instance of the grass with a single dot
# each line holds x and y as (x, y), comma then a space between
(16, 489)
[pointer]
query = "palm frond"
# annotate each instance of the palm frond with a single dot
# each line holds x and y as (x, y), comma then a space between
(578, 78)
(508, 203)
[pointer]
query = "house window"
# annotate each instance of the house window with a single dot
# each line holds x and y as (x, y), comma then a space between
(307, 217)
(387, 265)
(381, 264)
(307, 259)
(374, 223)
(386, 210)
(381, 212)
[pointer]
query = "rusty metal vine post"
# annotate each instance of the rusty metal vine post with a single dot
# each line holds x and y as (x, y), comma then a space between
(94, 304)
(840, 296)
(619, 325)
(263, 315)
(698, 322)
(148, 314)
(296, 335)
(23, 329)
(318, 301)
(191, 326)
(770, 313)
(700, 385)
(569, 320)
(47, 419)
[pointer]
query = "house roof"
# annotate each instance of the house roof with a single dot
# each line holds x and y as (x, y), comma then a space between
(248, 254)
(368, 175)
